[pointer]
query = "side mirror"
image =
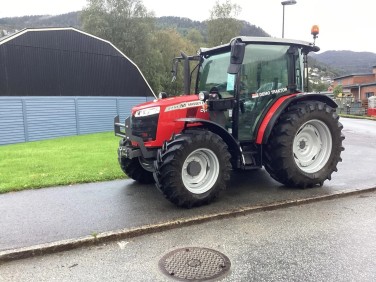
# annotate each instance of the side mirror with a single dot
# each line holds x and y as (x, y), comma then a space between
(237, 56)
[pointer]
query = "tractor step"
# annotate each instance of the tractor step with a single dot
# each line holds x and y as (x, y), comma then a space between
(249, 158)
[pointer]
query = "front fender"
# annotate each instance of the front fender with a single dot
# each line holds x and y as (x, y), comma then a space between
(231, 142)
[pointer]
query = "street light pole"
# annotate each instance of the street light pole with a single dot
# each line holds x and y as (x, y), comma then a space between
(284, 3)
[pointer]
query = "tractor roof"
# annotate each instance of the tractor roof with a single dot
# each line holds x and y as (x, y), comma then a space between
(307, 46)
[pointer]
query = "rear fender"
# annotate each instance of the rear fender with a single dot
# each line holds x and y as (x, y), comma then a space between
(279, 106)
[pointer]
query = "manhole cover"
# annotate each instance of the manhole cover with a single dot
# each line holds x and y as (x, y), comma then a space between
(194, 264)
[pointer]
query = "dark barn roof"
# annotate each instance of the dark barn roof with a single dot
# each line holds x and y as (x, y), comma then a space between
(66, 62)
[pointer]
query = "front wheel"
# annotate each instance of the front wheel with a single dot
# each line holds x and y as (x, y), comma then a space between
(193, 168)
(137, 169)
(305, 145)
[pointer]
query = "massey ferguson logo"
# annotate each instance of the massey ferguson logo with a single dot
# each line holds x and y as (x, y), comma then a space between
(184, 105)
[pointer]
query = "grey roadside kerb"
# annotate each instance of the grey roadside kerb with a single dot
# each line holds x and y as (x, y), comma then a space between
(64, 245)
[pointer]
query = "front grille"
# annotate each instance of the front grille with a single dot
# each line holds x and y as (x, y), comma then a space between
(145, 127)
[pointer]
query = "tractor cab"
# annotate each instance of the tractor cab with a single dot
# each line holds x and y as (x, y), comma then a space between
(251, 73)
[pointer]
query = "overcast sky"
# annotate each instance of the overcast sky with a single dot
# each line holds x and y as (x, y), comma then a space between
(344, 25)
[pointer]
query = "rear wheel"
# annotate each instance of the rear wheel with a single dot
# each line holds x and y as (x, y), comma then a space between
(305, 145)
(193, 168)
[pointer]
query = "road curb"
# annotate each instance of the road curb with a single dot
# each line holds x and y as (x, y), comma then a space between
(64, 245)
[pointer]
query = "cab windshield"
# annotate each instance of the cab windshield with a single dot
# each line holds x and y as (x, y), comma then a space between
(213, 73)
(265, 68)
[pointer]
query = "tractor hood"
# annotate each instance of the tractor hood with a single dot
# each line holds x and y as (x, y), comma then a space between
(170, 104)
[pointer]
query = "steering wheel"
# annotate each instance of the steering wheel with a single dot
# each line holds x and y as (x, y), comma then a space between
(214, 90)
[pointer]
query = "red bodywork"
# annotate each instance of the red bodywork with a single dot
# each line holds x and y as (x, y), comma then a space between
(171, 109)
(268, 117)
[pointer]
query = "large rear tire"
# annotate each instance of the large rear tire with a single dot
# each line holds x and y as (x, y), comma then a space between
(193, 168)
(305, 145)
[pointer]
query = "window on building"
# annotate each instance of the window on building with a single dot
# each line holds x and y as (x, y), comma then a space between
(370, 94)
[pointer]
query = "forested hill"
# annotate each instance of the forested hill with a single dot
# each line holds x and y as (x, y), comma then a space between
(17, 23)
(183, 25)
(348, 62)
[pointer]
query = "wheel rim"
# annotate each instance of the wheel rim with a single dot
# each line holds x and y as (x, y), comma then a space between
(200, 171)
(312, 146)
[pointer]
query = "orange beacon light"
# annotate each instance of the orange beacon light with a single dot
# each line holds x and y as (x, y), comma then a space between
(315, 31)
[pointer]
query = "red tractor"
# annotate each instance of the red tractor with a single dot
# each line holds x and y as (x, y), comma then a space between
(248, 110)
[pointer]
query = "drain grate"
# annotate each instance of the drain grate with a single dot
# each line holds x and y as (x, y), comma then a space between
(194, 264)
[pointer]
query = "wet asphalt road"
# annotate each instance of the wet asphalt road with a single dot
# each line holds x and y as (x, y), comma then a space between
(47, 215)
(332, 240)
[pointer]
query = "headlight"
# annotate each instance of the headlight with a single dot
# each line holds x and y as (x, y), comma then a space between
(203, 95)
(148, 112)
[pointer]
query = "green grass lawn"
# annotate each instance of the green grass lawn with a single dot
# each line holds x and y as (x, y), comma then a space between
(62, 161)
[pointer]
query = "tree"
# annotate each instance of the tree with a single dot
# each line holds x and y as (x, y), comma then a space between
(195, 37)
(337, 90)
(128, 25)
(222, 25)
(320, 87)
(168, 43)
